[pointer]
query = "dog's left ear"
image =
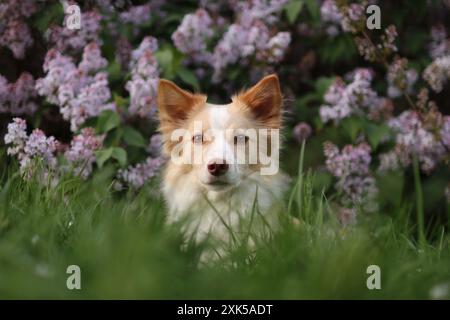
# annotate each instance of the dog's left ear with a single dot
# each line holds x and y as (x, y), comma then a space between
(265, 100)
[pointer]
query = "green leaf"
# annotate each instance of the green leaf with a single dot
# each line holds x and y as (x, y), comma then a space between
(314, 10)
(293, 9)
(352, 127)
(102, 156)
(120, 155)
(376, 133)
(188, 77)
(322, 84)
(133, 137)
(107, 120)
(169, 59)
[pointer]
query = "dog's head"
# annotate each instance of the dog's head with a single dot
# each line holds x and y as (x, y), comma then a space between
(220, 145)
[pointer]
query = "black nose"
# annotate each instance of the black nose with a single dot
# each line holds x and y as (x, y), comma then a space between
(217, 168)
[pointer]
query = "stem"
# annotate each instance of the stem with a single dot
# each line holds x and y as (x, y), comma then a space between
(419, 203)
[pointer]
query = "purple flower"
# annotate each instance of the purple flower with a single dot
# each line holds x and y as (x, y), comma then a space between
(155, 145)
(351, 167)
(440, 44)
(92, 59)
(400, 79)
(81, 155)
(17, 98)
(144, 79)
(192, 35)
(66, 39)
(413, 137)
(355, 98)
(437, 73)
(79, 91)
(302, 131)
(136, 176)
(136, 15)
(17, 37)
(16, 136)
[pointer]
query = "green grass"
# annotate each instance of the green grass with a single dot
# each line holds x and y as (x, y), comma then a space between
(125, 249)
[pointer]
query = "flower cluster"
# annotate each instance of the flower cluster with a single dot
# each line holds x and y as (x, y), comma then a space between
(79, 92)
(80, 155)
(437, 73)
(416, 137)
(355, 98)
(440, 44)
(400, 79)
(192, 35)
(144, 79)
(14, 32)
(17, 98)
(65, 39)
(136, 15)
(378, 52)
(136, 176)
(27, 148)
(250, 37)
(351, 167)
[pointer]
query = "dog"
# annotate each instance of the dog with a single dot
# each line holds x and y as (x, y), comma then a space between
(218, 190)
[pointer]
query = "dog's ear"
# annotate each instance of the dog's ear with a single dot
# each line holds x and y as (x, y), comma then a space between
(175, 104)
(264, 100)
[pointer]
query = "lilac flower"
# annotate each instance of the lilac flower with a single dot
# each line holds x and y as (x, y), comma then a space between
(75, 40)
(330, 12)
(136, 15)
(192, 35)
(277, 46)
(440, 44)
(28, 148)
(39, 146)
(351, 167)
(400, 79)
(136, 176)
(14, 32)
(155, 145)
(437, 73)
(92, 59)
(357, 97)
(17, 98)
(81, 155)
(414, 138)
(16, 136)
(245, 40)
(144, 79)
(79, 92)
(16, 37)
(263, 10)
(302, 131)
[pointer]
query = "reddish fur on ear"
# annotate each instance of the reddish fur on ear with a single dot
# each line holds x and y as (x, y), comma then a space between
(264, 99)
(175, 104)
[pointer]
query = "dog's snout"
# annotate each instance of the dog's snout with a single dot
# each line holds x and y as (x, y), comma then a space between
(217, 167)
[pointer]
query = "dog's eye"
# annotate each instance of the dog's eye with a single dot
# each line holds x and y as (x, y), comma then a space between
(197, 138)
(240, 139)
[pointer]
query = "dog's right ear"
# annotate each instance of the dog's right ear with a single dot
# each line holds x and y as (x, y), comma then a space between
(175, 104)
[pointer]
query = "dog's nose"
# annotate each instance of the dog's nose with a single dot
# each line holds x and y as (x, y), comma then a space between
(217, 167)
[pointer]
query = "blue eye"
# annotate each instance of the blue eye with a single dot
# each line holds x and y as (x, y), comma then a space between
(197, 138)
